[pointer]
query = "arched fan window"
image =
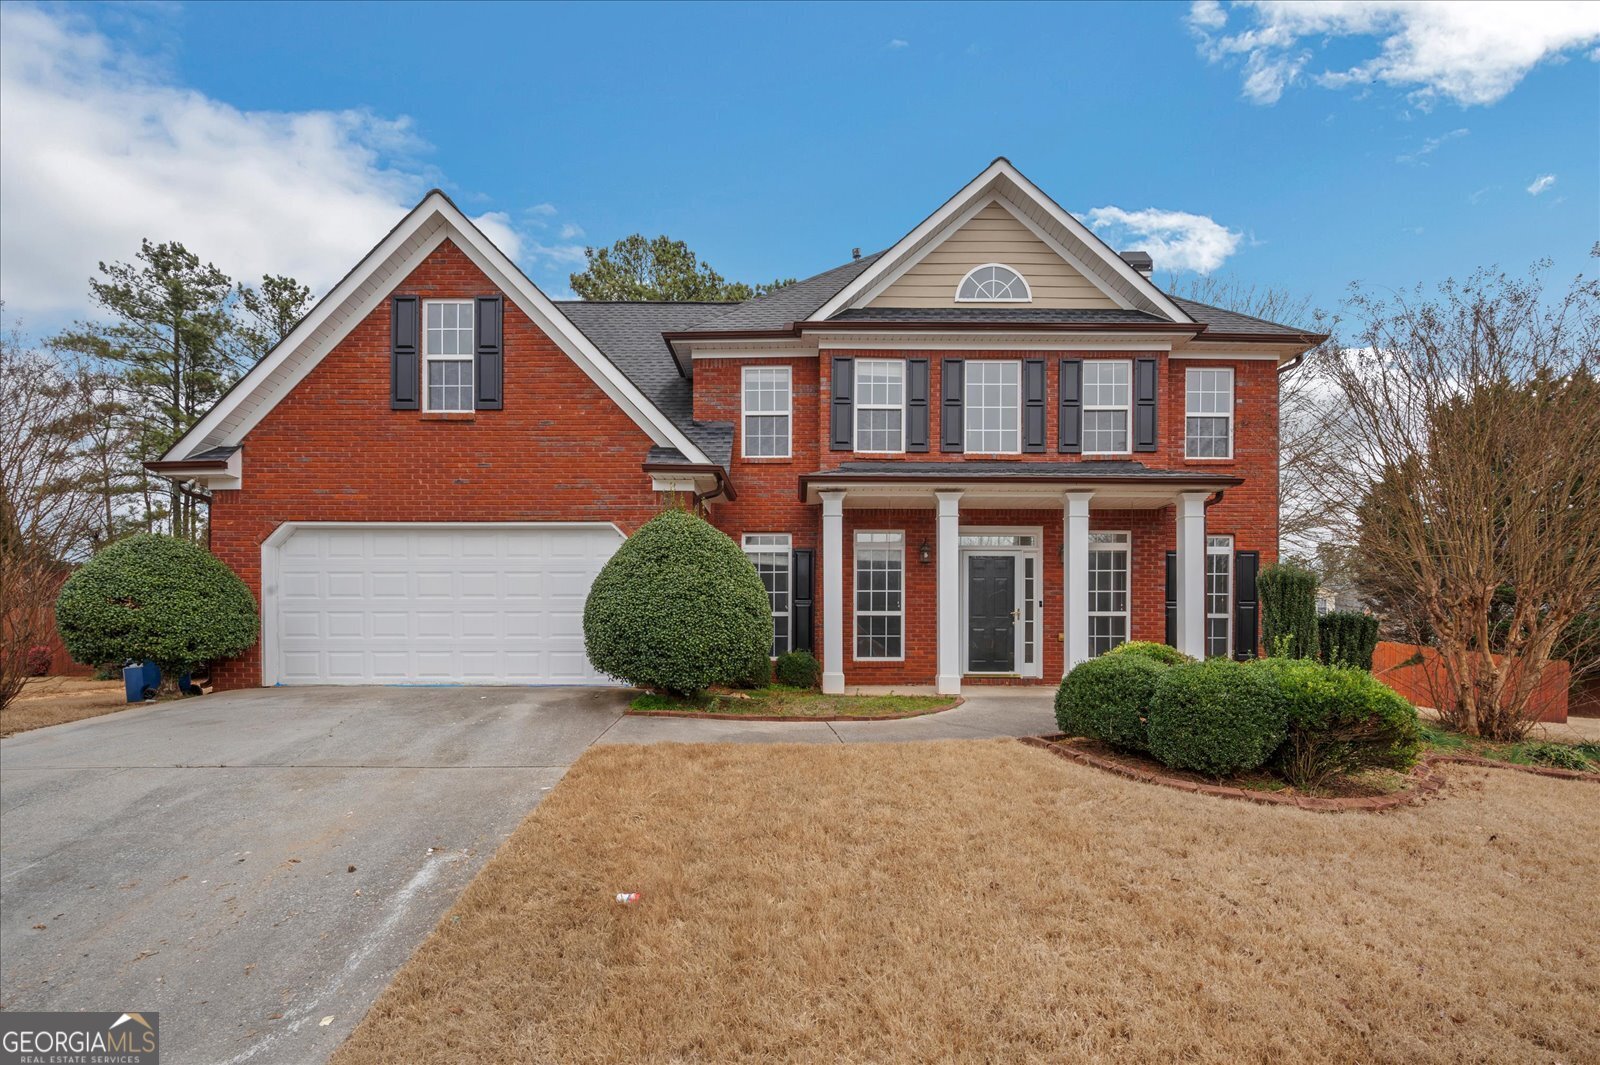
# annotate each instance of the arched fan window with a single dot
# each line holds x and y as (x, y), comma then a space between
(993, 283)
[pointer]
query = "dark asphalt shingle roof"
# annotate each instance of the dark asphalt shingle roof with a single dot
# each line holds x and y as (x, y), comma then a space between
(791, 303)
(629, 334)
(221, 451)
(1224, 321)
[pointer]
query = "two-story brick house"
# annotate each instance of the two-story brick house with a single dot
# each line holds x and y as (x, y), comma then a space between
(982, 455)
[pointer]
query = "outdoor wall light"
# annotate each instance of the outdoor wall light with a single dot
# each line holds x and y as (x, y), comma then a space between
(925, 552)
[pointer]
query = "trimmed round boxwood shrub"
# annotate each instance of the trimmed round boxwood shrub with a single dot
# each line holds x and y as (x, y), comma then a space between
(1156, 652)
(158, 598)
(1108, 698)
(1339, 721)
(799, 669)
(677, 609)
(1217, 717)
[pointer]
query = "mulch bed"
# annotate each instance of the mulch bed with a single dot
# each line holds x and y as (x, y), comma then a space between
(713, 714)
(1424, 780)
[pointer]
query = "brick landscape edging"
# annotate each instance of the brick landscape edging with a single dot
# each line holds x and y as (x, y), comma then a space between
(630, 712)
(1425, 780)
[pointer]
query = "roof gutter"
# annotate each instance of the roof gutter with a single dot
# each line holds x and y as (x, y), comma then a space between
(724, 482)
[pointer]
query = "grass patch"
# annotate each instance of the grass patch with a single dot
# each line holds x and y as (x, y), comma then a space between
(985, 901)
(1584, 757)
(46, 701)
(780, 701)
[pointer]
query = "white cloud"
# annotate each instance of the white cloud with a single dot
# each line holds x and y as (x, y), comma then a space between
(101, 151)
(1176, 240)
(1472, 53)
(571, 231)
(899, 42)
(1429, 146)
(1540, 183)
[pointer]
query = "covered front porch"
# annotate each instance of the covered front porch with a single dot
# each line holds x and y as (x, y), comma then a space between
(1004, 571)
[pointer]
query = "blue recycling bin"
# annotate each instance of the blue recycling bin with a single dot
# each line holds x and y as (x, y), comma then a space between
(137, 678)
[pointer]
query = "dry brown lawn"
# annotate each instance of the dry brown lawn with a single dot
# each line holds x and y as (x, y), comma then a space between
(57, 700)
(985, 901)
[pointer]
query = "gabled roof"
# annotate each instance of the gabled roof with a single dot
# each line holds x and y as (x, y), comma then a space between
(1071, 239)
(791, 303)
(434, 220)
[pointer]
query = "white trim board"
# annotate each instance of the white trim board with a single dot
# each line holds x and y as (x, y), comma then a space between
(1001, 180)
(363, 290)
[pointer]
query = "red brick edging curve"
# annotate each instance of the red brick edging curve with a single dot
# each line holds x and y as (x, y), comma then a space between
(1425, 780)
(711, 714)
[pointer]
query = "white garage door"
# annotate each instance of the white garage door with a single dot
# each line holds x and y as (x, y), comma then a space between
(432, 604)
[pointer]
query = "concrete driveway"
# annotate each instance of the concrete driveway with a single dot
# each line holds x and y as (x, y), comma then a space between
(256, 865)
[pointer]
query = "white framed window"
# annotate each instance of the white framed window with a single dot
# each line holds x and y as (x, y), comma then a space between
(768, 411)
(993, 407)
(1208, 421)
(880, 596)
(1219, 596)
(447, 351)
(993, 283)
(769, 553)
(1108, 590)
(1107, 400)
(880, 405)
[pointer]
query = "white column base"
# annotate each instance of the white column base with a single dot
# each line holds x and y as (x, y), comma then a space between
(944, 685)
(833, 684)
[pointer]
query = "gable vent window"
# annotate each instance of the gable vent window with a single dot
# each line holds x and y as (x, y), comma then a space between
(993, 283)
(447, 353)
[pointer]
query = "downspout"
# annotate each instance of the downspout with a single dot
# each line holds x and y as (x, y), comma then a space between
(702, 498)
(1292, 365)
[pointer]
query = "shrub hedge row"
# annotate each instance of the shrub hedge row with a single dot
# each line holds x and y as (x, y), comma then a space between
(1288, 611)
(1348, 638)
(1308, 721)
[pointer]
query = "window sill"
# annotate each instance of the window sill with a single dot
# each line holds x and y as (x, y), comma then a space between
(767, 460)
(1187, 461)
(450, 416)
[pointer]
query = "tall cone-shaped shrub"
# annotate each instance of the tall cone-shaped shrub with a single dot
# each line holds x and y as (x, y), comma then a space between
(678, 608)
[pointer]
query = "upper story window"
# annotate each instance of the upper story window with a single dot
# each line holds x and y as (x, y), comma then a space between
(1106, 398)
(447, 349)
(1208, 422)
(880, 405)
(993, 283)
(768, 411)
(994, 407)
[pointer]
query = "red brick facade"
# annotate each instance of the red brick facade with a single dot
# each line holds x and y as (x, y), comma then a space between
(561, 450)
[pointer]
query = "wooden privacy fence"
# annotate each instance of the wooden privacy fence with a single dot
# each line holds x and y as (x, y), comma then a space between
(1418, 673)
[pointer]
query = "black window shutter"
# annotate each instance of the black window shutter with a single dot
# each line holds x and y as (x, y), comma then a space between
(802, 594)
(1144, 404)
(405, 375)
(1033, 389)
(843, 415)
(916, 404)
(1070, 430)
(952, 424)
(1246, 605)
(491, 359)
(1172, 599)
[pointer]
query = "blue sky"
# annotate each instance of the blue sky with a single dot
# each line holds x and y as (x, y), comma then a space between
(1304, 147)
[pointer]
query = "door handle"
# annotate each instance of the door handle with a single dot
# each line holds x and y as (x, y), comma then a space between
(1016, 615)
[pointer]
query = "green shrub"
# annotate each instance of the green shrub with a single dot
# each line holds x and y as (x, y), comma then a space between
(1217, 717)
(1288, 611)
(799, 669)
(678, 608)
(1156, 652)
(1340, 720)
(1108, 698)
(1556, 755)
(158, 598)
(1347, 638)
(757, 673)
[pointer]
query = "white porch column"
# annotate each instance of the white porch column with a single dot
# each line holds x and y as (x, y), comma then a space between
(948, 681)
(1191, 521)
(832, 592)
(1075, 574)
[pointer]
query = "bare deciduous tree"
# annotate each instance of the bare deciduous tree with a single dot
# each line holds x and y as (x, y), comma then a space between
(1472, 438)
(45, 518)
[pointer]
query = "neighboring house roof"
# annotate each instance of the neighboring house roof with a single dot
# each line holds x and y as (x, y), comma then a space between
(434, 220)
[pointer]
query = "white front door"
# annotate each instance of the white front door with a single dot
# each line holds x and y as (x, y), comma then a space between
(430, 604)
